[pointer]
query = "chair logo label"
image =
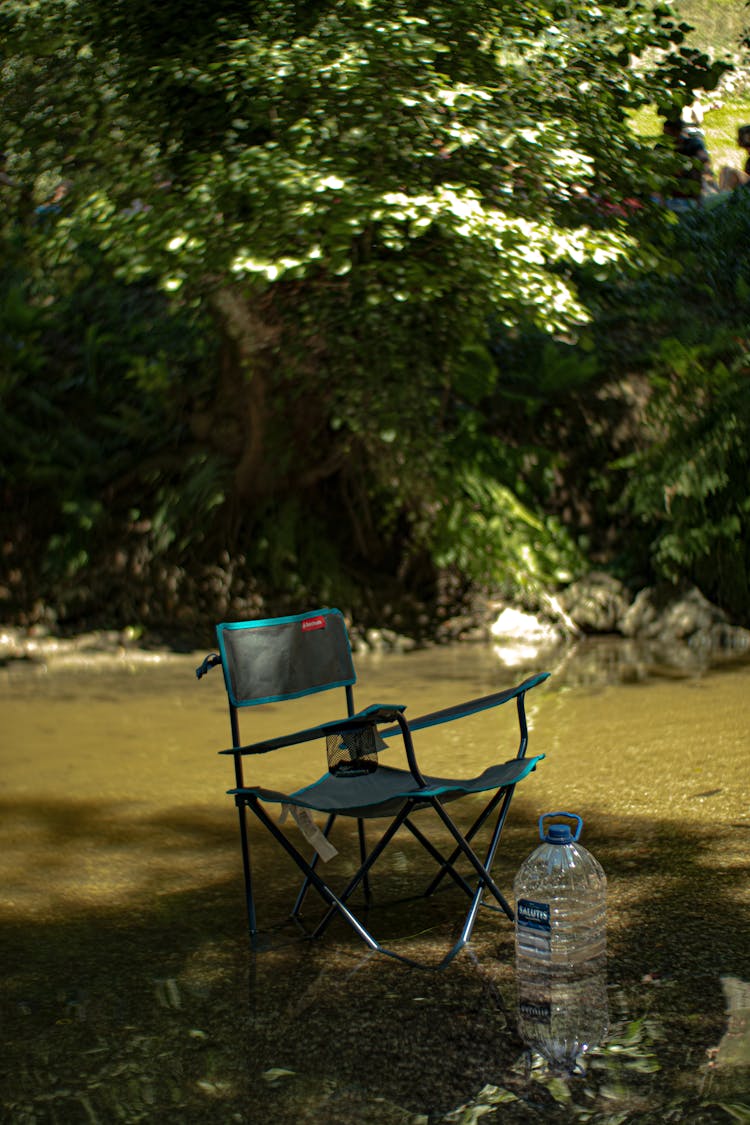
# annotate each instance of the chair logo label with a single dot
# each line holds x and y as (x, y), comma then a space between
(313, 623)
(533, 915)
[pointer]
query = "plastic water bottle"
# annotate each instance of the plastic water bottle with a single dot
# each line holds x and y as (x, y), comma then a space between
(561, 900)
(560, 894)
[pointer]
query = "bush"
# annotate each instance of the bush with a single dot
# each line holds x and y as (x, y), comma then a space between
(688, 485)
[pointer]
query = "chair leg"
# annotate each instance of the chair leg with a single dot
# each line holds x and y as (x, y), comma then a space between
(485, 879)
(336, 904)
(313, 863)
(247, 871)
(468, 836)
(489, 860)
(446, 866)
(482, 885)
(363, 857)
(379, 848)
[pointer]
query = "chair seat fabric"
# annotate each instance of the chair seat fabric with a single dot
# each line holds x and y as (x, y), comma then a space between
(385, 792)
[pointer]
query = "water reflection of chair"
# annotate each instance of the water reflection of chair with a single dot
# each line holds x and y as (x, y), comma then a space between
(284, 658)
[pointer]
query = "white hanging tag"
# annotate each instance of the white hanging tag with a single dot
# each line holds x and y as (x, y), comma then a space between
(313, 834)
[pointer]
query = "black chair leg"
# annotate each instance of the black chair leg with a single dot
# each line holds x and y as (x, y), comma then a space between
(363, 857)
(335, 903)
(445, 865)
(485, 879)
(486, 812)
(313, 864)
(471, 917)
(379, 848)
(247, 871)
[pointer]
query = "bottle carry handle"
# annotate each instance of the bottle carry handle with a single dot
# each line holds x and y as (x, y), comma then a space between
(569, 815)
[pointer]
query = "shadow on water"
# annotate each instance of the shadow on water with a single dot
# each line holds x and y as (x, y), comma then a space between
(153, 1009)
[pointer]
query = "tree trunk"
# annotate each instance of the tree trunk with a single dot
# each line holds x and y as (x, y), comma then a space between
(238, 416)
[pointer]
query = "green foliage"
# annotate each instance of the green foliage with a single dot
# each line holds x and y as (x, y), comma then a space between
(486, 533)
(689, 484)
(362, 198)
(94, 378)
(537, 371)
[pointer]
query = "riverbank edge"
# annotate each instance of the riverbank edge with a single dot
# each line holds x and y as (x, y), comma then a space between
(597, 605)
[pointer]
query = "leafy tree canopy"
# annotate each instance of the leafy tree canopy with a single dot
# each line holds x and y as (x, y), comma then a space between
(355, 191)
(255, 143)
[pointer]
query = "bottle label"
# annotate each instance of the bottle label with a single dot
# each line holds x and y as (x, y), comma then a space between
(536, 1011)
(533, 915)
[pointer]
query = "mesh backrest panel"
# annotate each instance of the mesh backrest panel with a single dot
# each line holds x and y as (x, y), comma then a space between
(285, 657)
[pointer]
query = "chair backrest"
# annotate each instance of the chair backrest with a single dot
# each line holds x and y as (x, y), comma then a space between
(279, 658)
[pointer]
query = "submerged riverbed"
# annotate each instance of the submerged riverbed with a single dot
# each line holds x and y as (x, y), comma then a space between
(129, 992)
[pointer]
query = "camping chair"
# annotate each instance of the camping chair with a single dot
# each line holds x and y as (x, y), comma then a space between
(284, 658)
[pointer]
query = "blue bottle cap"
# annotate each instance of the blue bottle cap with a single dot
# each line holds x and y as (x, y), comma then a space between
(558, 834)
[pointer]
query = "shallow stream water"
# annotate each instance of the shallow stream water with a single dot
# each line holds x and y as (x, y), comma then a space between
(129, 992)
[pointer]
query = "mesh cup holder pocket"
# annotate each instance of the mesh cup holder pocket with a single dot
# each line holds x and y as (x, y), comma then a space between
(353, 753)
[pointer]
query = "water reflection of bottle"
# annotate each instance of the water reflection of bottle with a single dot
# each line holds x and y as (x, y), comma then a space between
(562, 1016)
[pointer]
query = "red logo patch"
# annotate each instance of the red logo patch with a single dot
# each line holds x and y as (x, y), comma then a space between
(313, 623)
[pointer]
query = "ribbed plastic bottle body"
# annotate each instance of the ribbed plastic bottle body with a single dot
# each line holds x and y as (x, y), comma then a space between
(560, 893)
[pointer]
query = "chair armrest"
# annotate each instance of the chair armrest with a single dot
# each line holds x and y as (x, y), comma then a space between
(459, 711)
(371, 716)
(470, 707)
